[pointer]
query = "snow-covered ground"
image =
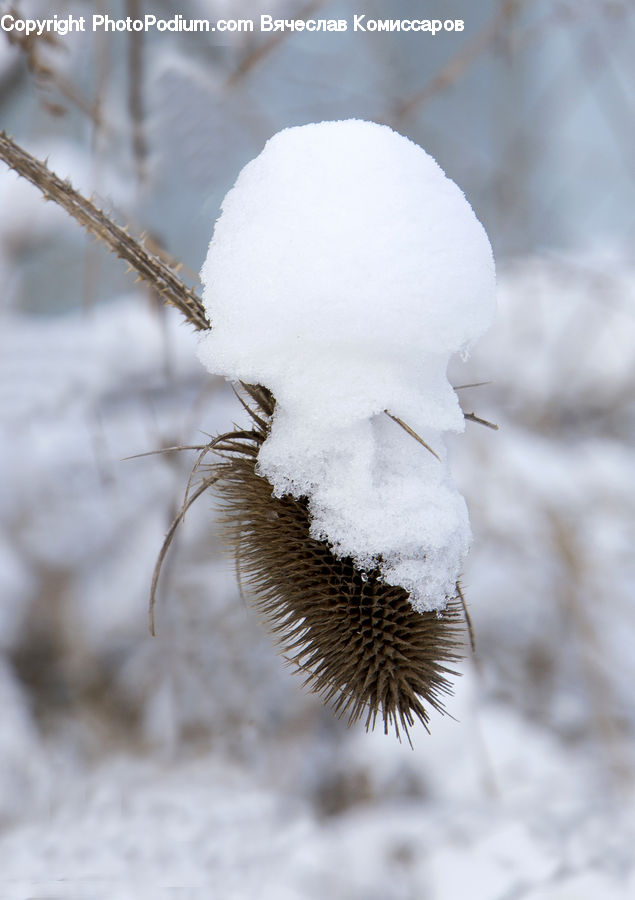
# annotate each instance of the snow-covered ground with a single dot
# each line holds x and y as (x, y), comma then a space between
(192, 764)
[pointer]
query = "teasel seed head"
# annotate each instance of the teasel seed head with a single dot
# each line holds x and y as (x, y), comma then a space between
(359, 642)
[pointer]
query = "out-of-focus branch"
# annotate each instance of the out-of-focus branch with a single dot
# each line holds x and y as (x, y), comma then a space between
(260, 52)
(455, 67)
(149, 267)
(592, 654)
(135, 92)
(31, 46)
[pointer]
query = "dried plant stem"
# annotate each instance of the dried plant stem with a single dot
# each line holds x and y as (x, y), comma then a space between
(149, 267)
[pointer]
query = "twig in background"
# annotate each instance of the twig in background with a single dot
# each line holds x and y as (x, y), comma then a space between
(261, 51)
(150, 268)
(456, 67)
(135, 93)
(31, 46)
(93, 259)
(592, 656)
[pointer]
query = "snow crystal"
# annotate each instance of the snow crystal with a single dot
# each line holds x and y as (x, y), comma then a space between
(344, 272)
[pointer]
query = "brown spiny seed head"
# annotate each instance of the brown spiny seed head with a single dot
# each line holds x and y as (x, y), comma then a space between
(358, 640)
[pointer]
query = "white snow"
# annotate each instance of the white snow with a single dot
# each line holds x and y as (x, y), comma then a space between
(344, 272)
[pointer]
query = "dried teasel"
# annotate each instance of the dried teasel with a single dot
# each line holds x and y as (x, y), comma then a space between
(356, 639)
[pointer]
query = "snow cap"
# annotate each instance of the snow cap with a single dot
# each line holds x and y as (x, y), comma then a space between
(343, 273)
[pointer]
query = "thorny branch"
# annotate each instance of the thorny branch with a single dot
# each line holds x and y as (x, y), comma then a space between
(147, 266)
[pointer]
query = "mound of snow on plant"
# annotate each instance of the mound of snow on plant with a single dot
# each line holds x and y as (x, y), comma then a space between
(344, 272)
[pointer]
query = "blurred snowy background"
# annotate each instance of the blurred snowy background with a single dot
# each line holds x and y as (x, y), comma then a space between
(192, 764)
